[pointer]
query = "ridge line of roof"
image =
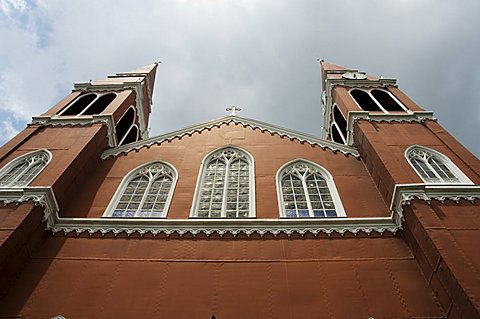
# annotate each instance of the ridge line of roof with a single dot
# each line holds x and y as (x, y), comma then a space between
(197, 128)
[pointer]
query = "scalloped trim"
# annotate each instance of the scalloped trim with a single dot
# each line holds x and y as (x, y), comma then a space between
(48, 121)
(355, 116)
(403, 195)
(263, 127)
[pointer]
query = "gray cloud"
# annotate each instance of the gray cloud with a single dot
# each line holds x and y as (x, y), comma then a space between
(259, 55)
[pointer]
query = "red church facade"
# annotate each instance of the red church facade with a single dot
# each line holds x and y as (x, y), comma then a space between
(235, 217)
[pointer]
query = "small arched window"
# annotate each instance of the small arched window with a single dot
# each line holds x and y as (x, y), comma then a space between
(364, 100)
(226, 185)
(434, 167)
(377, 100)
(100, 104)
(386, 101)
(88, 104)
(145, 192)
(307, 190)
(22, 170)
(126, 129)
(338, 130)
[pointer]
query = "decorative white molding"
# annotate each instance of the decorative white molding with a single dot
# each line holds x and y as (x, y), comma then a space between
(404, 193)
(355, 116)
(272, 129)
(221, 227)
(84, 120)
(39, 195)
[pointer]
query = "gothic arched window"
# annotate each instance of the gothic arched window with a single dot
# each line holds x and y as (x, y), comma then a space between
(226, 185)
(22, 170)
(434, 167)
(126, 129)
(145, 192)
(307, 190)
(88, 104)
(377, 100)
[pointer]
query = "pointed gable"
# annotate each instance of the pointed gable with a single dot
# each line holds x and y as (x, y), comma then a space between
(236, 120)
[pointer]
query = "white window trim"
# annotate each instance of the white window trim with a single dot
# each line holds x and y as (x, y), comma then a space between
(330, 183)
(369, 92)
(123, 184)
(15, 161)
(98, 95)
(462, 178)
(201, 175)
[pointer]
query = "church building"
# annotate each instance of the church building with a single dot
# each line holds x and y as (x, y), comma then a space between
(235, 217)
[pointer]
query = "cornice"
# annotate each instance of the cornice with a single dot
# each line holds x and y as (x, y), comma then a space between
(221, 227)
(39, 195)
(85, 120)
(264, 127)
(411, 117)
(403, 195)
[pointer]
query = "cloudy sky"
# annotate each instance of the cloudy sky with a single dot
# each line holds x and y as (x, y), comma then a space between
(260, 55)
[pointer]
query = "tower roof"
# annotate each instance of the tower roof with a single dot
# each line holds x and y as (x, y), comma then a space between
(333, 71)
(149, 71)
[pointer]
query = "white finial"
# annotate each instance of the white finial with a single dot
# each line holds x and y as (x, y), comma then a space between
(233, 109)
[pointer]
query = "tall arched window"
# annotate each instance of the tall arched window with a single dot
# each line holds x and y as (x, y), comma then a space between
(22, 170)
(226, 186)
(307, 190)
(434, 167)
(145, 192)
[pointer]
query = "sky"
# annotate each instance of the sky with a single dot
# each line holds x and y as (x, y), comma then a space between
(260, 55)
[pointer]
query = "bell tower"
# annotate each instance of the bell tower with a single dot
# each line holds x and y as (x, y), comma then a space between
(70, 137)
(121, 101)
(420, 170)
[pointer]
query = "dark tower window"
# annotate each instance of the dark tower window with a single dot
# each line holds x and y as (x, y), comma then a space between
(124, 125)
(100, 104)
(364, 100)
(132, 136)
(386, 100)
(336, 137)
(340, 120)
(77, 106)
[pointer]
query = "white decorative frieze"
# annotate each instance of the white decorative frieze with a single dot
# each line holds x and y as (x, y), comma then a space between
(86, 120)
(40, 196)
(411, 117)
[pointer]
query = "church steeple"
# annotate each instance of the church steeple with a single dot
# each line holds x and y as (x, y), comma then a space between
(349, 95)
(121, 101)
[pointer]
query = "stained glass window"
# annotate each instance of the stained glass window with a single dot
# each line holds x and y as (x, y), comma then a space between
(305, 192)
(21, 171)
(434, 167)
(226, 186)
(146, 193)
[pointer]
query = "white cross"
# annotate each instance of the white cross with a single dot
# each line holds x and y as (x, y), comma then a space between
(233, 109)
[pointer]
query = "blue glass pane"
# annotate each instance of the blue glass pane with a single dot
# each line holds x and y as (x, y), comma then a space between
(331, 213)
(318, 213)
(129, 214)
(303, 213)
(291, 213)
(157, 214)
(117, 213)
